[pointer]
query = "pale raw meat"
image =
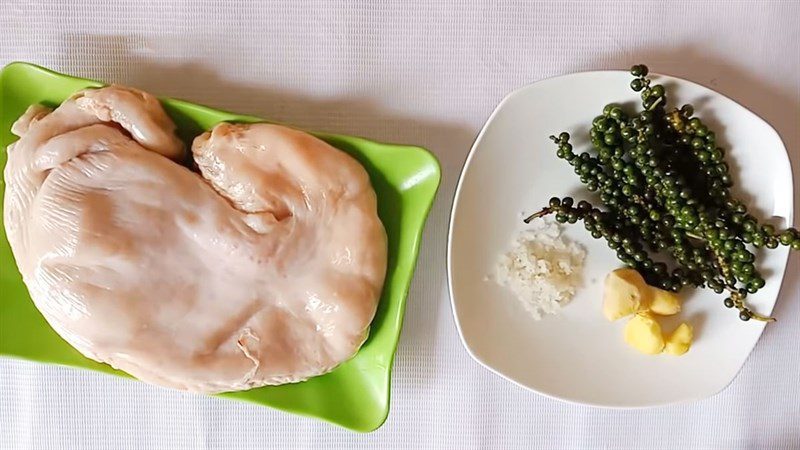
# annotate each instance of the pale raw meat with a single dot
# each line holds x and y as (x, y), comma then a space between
(267, 269)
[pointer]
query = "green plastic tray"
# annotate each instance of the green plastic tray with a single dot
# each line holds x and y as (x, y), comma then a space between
(356, 394)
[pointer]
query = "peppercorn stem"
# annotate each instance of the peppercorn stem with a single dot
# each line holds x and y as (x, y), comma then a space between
(655, 103)
(693, 236)
(761, 318)
(739, 303)
(543, 212)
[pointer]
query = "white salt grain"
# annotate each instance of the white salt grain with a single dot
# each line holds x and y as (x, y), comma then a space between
(542, 269)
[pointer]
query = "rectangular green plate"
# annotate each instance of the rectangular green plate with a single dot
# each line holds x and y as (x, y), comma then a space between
(356, 394)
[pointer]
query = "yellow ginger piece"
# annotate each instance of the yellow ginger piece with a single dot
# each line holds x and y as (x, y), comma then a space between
(680, 340)
(664, 303)
(644, 334)
(625, 293)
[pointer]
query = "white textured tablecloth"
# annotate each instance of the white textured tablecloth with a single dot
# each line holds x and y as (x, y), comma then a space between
(427, 73)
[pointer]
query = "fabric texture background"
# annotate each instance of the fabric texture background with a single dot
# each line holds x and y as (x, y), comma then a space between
(426, 73)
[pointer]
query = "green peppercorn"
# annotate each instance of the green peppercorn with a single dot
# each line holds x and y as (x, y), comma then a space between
(657, 91)
(572, 217)
(639, 70)
(788, 236)
(664, 185)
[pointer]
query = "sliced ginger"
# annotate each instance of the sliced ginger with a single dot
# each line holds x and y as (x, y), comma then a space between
(625, 293)
(664, 303)
(644, 334)
(680, 340)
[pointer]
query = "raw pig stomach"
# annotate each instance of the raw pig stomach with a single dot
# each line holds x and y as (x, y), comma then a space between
(265, 268)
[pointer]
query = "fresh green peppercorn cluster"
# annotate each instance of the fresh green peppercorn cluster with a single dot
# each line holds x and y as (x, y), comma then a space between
(665, 188)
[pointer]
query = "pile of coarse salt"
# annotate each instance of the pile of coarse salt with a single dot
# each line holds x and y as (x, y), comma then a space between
(542, 269)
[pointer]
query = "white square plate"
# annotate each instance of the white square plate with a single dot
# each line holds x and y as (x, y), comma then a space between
(579, 356)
